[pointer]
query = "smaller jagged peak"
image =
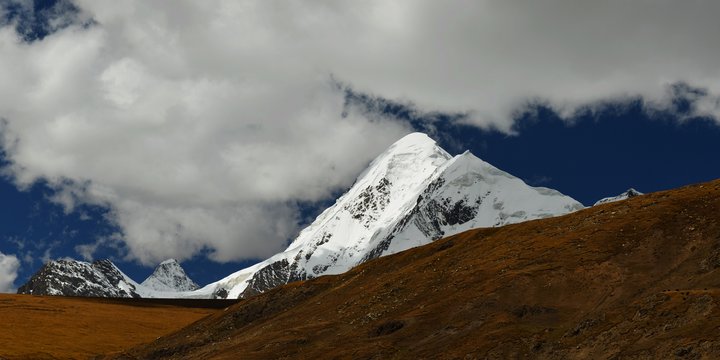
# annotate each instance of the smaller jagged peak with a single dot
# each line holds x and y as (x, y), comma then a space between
(102, 262)
(630, 193)
(170, 261)
(61, 261)
(170, 276)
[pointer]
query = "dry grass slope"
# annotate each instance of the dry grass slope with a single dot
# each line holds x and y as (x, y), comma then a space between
(635, 279)
(45, 327)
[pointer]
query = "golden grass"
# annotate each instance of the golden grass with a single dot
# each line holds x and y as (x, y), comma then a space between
(39, 327)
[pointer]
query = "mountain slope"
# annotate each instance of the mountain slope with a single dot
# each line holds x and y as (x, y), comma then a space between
(169, 276)
(633, 279)
(410, 195)
(59, 327)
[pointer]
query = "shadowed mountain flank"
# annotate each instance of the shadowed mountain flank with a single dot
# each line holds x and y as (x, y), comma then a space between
(631, 279)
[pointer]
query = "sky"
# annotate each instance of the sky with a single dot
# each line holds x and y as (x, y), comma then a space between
(212, 132)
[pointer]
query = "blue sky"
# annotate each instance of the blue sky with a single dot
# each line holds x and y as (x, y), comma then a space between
(135, 133)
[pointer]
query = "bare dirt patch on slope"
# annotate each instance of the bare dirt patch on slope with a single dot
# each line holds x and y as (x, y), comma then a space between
(48, 327)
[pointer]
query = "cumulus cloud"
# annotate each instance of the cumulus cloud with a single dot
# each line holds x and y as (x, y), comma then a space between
(198, 140)
(492, 57)
(9, 265)
(203, 124)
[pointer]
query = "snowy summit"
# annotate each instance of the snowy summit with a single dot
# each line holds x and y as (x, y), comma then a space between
(410, 195)
(169, 276)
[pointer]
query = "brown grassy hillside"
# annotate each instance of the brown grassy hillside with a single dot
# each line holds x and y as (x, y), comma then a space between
(634, 279)
(46, 327)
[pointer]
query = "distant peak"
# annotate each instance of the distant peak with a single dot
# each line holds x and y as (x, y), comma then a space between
(632, 192)
(169, 261)
(626, 195)
(169, 276)
(100, 261)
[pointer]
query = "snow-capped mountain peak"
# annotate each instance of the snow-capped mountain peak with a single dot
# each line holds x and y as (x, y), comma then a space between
(626, 195)
(380, 192)
(469, 193)
(411, 194)
(169, 276)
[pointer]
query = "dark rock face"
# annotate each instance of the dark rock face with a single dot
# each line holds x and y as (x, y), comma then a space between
(268, 277)
(220, 293)
(372, 200)
(108, 270)
(273, 275)
(430, 215)
(78, 278)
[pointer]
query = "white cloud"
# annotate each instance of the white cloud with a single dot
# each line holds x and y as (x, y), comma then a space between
(489, 57)
(9, 265)
(202, 124)
(195, 141)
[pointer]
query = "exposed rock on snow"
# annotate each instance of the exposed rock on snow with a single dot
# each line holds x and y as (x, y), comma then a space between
(626, 195)
(79, 278)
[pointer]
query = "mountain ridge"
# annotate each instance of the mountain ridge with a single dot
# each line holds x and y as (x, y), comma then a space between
(102, 278)
(632, 279)
(411, 194)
